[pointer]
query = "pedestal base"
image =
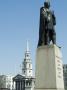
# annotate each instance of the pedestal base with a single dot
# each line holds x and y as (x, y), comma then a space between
(49, 89)
(49, 68)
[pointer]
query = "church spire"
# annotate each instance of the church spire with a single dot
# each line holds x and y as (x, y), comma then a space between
(27, 52)
(27, 49)
(27, 63)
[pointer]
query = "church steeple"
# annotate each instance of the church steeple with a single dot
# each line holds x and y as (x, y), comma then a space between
(27, 64)
(27, 47)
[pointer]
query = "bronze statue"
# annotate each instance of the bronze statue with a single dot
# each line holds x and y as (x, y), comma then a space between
(47, 22)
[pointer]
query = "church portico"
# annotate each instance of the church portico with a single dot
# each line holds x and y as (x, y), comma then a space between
(19, 82)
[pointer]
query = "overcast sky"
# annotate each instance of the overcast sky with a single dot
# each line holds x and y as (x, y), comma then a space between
(19, 22)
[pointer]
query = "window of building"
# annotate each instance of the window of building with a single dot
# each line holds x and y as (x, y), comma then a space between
(29, 83)
(26, 83)
(29, 65)
(27, 55)
(24, 65)
(29, 71)
(24, 71)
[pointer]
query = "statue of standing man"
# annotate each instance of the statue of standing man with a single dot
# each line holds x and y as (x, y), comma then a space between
(47, 23)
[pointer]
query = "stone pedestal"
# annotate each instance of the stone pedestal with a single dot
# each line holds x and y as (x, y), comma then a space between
(49, 68)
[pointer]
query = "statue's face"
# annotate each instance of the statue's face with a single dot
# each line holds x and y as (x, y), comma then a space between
(47, 5)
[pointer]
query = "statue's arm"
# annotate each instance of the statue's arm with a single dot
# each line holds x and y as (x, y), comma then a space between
(54, 18)
(43, 12)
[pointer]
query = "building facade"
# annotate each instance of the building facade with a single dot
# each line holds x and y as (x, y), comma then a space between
(2, 81)
(65, 75)
(6, 82)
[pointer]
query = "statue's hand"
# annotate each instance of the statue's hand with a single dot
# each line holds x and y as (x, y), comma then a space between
(49, 17)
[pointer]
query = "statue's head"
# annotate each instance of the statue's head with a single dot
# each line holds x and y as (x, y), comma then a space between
(47, 4)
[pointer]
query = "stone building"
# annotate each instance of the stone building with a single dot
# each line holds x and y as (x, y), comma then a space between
(65, 75)
(6, 82)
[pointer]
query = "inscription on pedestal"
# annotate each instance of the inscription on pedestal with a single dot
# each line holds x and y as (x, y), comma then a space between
(59, 66)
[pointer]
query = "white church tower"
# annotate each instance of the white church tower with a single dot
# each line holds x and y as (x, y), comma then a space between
(26, 81)
(27, 63)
